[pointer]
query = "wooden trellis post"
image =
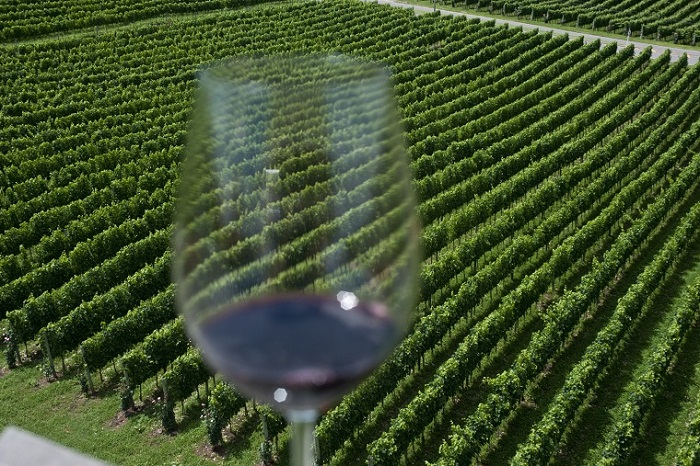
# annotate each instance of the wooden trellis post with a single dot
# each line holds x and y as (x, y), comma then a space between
(88, 377)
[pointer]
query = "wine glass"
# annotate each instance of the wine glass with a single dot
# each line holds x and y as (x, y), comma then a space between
(296, 248)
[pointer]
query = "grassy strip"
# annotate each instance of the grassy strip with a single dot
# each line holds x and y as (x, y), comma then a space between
(58, 411)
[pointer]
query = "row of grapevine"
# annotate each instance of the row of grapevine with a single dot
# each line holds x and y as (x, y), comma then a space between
(156, 352)
(37, 18)
(66, 333)
(648, 385)
(587, 369)
(451, 377)
(467, 438)
(674, 21)
(79, 230)
(689, 451)
(124, 332)
(544, 437)
(434, 316)
(52, 305)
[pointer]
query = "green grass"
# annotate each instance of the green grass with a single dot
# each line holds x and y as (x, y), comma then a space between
(668, 421)
(57, 410)
(666, 424)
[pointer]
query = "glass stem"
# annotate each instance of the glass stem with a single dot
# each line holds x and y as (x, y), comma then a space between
(303, 423)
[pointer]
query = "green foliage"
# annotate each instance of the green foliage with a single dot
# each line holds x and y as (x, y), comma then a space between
(84, 386)
(266, 453)
(137, 367)
(184, 375)
(12, 356)
(168, 420)
(677, 23)
(127, 399)
(68, 14)
(124, 332)
(213, 426)
(273, 423)
(529, 152)
(223, 403)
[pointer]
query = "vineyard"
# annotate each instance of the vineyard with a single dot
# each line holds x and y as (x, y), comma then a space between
(558, 185)
(662, 20)
(666, 20)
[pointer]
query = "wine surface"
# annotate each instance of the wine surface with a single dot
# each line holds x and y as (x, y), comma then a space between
(297, 351)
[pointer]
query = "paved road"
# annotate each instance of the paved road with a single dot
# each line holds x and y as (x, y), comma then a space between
(657, 50)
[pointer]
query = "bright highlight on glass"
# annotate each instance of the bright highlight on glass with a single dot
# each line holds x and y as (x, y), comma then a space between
(347, 300)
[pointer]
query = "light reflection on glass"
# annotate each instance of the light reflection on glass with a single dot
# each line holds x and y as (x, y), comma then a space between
(347, 300)
(280, 395)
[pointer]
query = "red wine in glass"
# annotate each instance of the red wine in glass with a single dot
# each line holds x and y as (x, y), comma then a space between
(315, 347)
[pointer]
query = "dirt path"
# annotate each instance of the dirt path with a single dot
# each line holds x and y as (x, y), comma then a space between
(657, 50)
